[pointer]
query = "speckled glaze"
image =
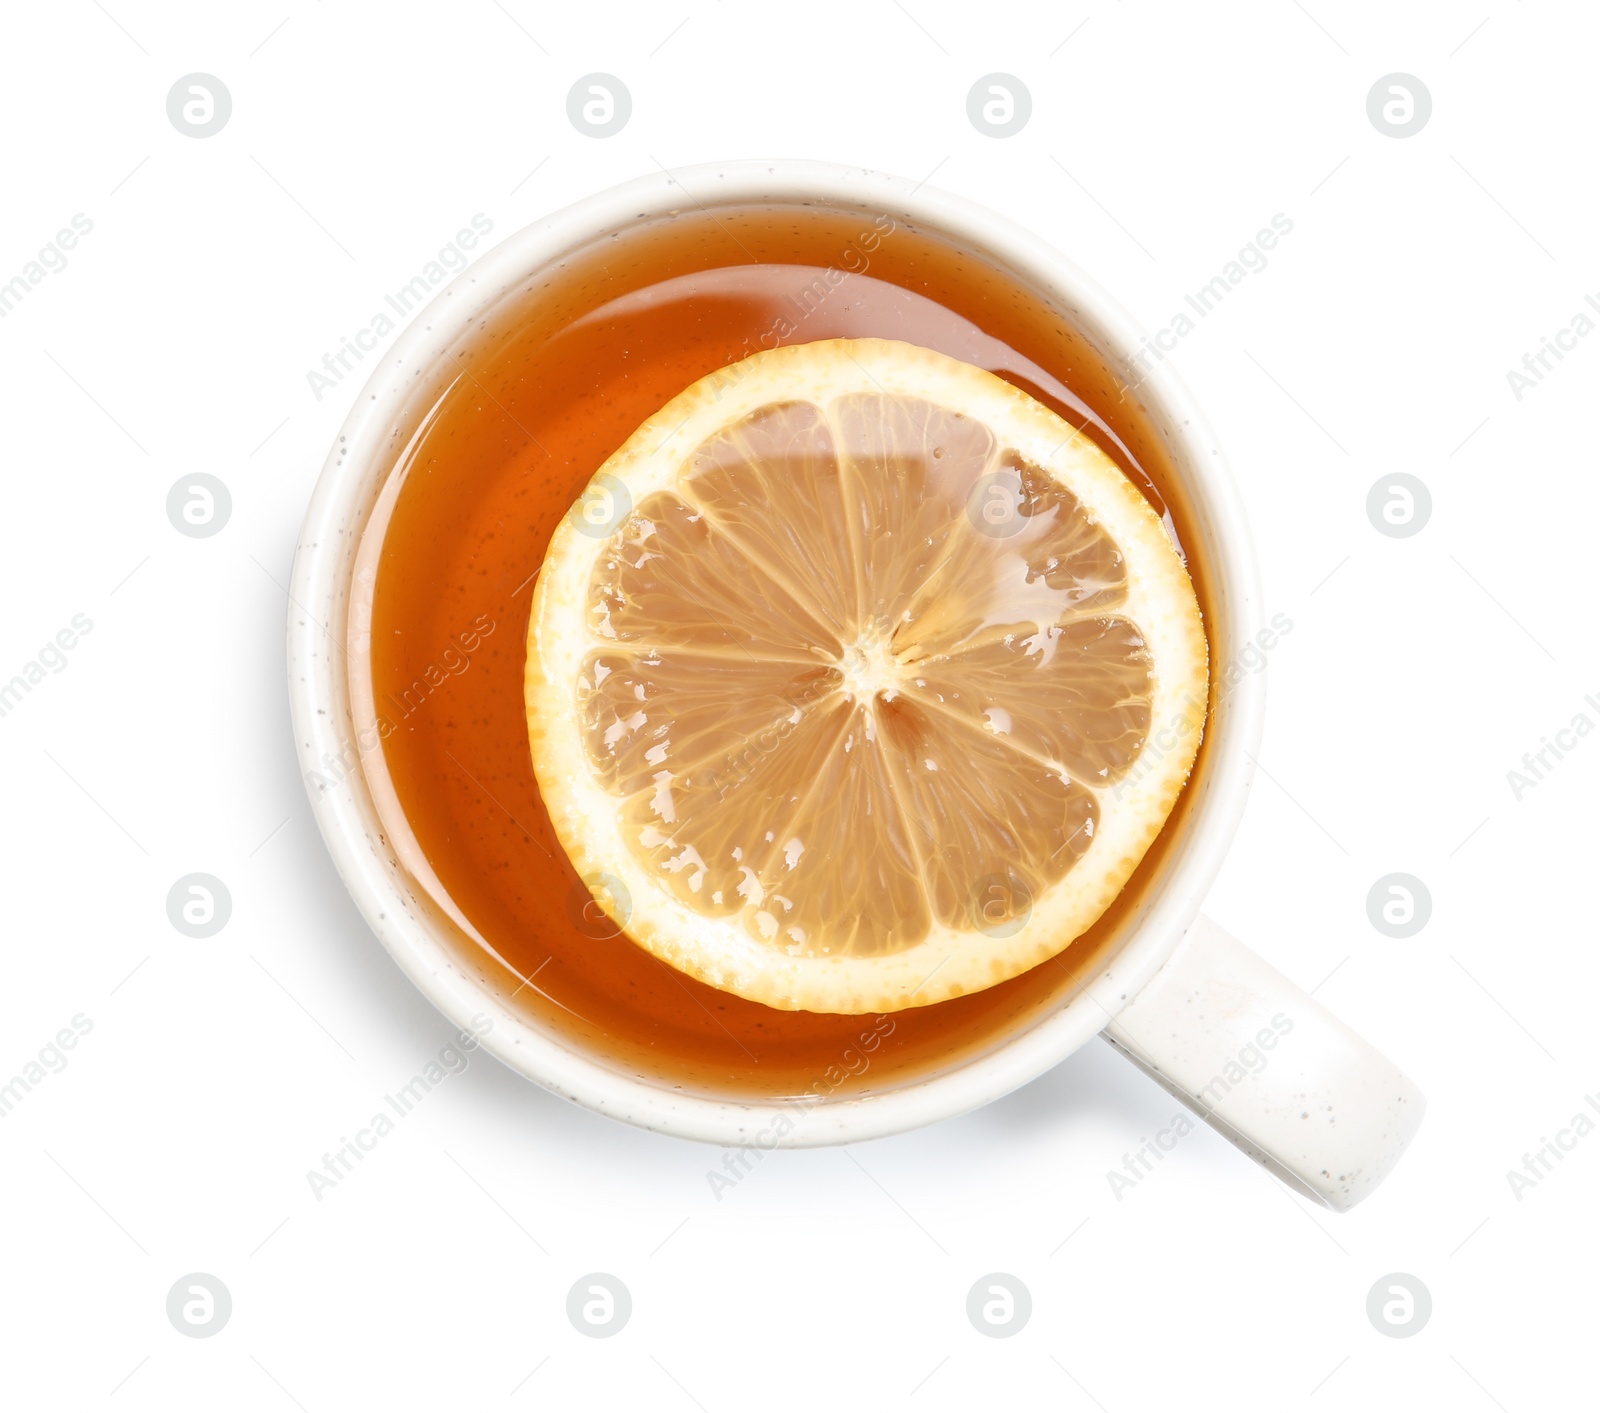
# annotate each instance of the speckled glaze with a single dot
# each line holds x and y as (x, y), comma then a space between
(415, 930)
(1270, 1069)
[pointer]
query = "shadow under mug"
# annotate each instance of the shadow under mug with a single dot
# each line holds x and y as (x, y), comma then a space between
(1235, 1041)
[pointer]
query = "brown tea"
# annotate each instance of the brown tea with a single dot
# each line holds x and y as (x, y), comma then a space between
(561, 376)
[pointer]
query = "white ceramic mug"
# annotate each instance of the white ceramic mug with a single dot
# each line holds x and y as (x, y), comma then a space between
(1242, 1046)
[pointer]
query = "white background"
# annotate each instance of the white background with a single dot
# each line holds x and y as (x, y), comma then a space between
(1418, 672)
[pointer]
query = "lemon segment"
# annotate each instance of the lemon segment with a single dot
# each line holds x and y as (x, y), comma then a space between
(858, 679)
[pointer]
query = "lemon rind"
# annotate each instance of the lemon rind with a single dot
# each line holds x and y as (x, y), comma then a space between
(948, 962)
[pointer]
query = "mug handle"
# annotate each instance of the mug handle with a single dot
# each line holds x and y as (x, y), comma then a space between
(1271, 1070)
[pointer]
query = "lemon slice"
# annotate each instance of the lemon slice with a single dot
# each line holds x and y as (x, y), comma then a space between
(858, 679)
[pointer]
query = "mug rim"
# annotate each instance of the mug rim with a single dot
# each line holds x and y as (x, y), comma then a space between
(319, 595)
